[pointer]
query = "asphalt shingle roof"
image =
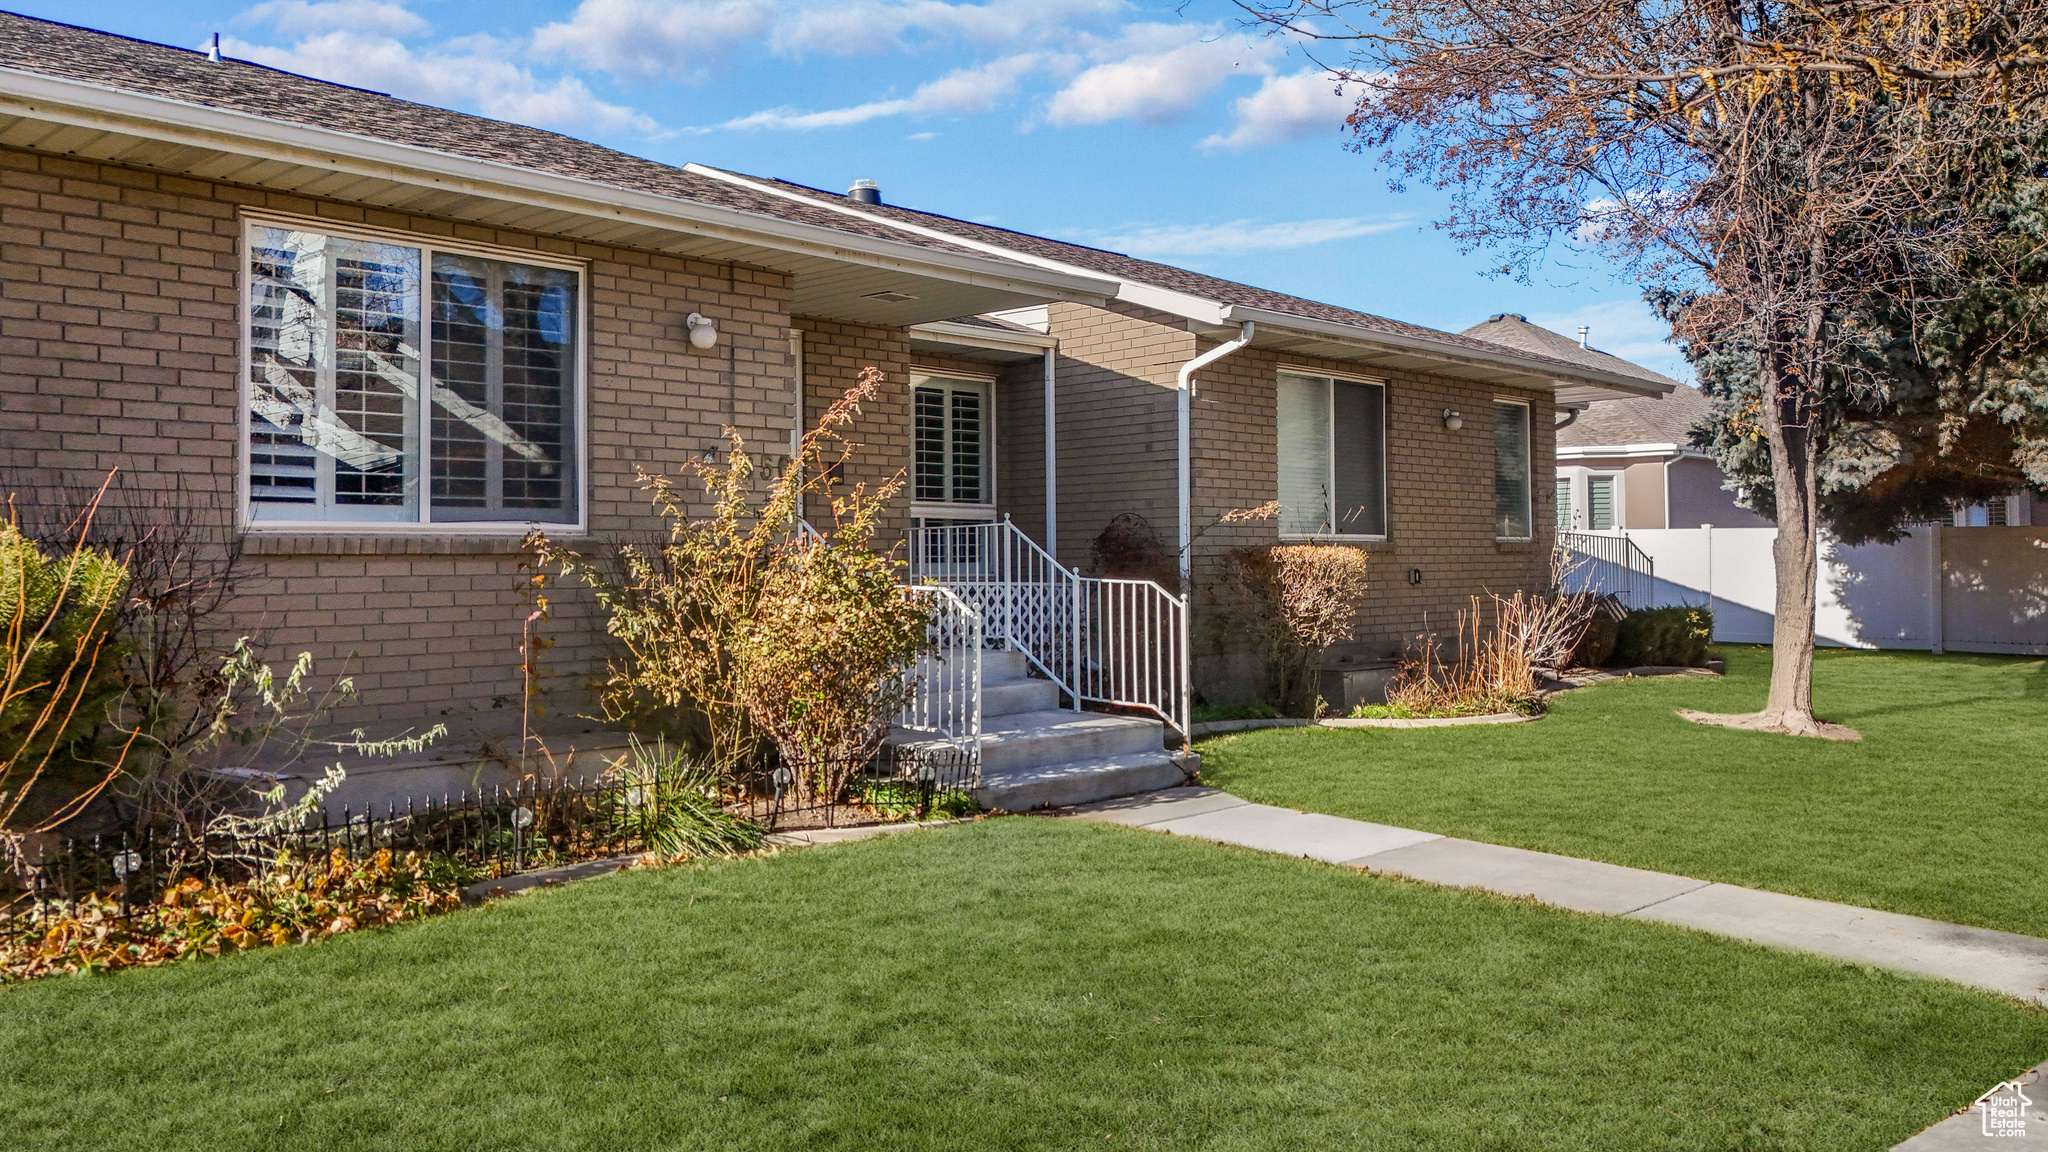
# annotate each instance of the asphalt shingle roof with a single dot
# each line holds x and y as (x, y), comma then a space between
(1514, 331)
(124, 64)
(1666, 419)
(1167, 276)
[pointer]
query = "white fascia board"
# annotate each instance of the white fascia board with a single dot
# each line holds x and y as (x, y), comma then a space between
(113, 110)
(1557, 371)
(1624, 451)
(1182, 304)
(975, 336)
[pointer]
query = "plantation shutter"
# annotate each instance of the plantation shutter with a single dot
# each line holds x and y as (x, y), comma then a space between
(1599, 503)
(1304, 448)
(1359, 452)
(950, 450)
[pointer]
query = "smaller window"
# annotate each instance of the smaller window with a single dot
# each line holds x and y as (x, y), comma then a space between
(1564, 503)
(1512, 518)
(1332, 456)
(1599, 503)
(951, 460)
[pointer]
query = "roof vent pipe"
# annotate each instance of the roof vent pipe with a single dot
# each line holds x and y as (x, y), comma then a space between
(1582, 335)
(865, 192)
(213, 51)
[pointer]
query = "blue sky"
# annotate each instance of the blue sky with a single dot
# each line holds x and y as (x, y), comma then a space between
(1167, 131)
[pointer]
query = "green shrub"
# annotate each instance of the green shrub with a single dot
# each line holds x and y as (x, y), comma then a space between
(1596, 643)
(676, 806)
(1664, 636)
(60, 670)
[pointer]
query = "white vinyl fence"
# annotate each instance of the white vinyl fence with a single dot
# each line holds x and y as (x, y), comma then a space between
(1992, 582)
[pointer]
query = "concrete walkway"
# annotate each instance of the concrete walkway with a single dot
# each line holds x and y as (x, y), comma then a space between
(2000, 962)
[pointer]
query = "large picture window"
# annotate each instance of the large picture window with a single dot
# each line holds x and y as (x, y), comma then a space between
(1332, 456)
(349, 424)
(1512, 516)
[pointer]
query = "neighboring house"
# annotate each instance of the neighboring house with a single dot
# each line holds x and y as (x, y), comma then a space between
(382, 340)
(1629, 462)
(1657, 525)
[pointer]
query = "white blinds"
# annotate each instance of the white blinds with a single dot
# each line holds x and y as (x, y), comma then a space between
(1304, 403)
(1599, 503)
(1511, 515)
(1332, 456)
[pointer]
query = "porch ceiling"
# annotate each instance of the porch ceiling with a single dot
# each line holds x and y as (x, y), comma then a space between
(836, 275)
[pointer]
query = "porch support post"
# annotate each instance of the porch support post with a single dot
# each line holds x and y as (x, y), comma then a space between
(1052, 484)
(1186, 388)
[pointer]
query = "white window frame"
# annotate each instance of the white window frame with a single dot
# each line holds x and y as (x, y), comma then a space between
(1330, 432)
(921, 510)
(426, 525)
(1582, 496)
(1528, 467)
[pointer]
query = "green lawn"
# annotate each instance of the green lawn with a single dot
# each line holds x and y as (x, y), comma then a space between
(1941, 811)
(1015, 983)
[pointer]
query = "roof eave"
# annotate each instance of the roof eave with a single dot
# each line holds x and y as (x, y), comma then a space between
(1543, 370)
(975, 336)
(114, 110)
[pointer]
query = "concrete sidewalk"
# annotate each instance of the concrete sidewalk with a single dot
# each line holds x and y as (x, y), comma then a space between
(2000, 962)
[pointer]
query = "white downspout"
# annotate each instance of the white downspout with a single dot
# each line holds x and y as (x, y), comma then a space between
(1186, 385)
(1052, 484)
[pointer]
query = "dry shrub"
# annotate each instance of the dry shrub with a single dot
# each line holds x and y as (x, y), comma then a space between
(818, 667)
(742, 630)
(1494, 669)
(1130, 548)
(1291, 602)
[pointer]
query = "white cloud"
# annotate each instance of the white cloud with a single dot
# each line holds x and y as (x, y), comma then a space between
(475, 71)
(849, 29)
(922, 136)
(654, 39)
(965, 91)
(1624, 328)
(1287, 108)
(1243, 235)
(1156, 84)
(299, 18)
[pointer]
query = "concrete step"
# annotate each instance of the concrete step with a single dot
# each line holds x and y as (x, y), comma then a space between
(1025, 739)
(1078, 781)
(997, 667)
(1012, 697)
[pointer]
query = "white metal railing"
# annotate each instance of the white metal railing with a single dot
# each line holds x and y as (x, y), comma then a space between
(1610, 563)
(945, 683)
(1117, 642)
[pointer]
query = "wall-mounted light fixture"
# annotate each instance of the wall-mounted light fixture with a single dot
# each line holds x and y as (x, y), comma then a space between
(703, 334)
(1452, 420)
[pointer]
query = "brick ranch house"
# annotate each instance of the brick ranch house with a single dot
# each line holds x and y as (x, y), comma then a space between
(390, 338)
